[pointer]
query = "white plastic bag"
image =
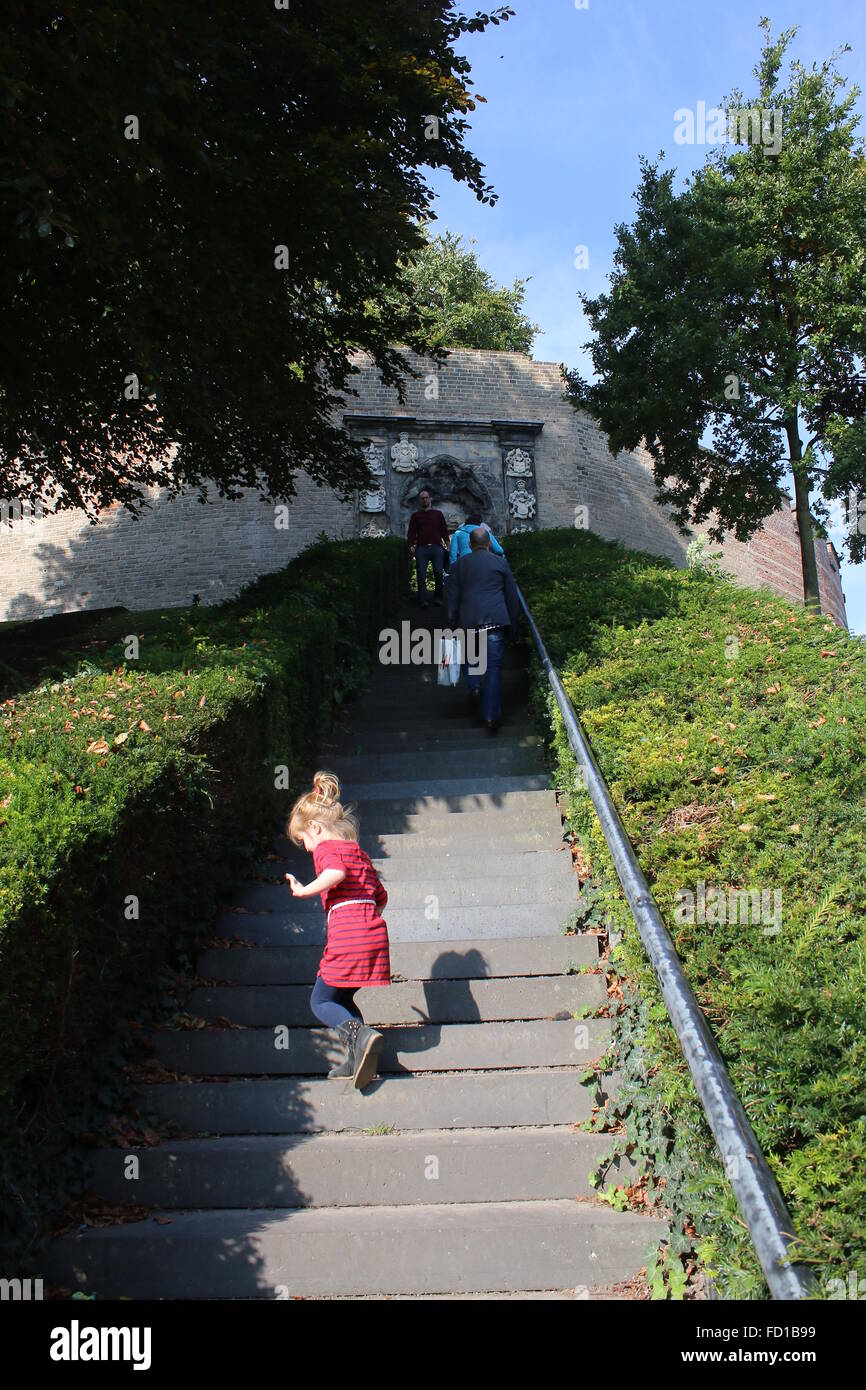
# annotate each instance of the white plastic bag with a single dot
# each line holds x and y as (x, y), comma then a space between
(449, 660)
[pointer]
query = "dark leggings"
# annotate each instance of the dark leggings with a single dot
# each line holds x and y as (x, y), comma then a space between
(332, 1004)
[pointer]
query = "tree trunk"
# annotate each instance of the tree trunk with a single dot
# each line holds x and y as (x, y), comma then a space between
(811, 589)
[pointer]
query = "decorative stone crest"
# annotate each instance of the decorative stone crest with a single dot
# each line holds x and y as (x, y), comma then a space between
(521, 502)
(374, 456)
(404, 456)
(373, 501)
(518, 464)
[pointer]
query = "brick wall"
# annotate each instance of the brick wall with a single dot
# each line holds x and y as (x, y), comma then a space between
(175, 550)
(180, 548)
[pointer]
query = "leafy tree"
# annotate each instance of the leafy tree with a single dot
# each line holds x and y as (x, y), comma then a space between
(460, 303)
(737, 306)
(198, 205)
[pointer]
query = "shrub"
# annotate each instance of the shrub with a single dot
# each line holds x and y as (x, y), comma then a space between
(132, 791)
(729, 727)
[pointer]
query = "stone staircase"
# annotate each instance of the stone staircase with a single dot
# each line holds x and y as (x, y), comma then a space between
(459, 1172)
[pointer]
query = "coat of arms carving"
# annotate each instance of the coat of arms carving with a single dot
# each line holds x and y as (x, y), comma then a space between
(373, 500)
(518, 464)
(404, 456)
(522, 502)
(374, 457)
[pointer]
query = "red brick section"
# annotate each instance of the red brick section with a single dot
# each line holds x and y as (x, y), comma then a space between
(775, 551)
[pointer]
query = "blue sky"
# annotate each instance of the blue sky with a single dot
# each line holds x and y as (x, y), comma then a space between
(574, 98)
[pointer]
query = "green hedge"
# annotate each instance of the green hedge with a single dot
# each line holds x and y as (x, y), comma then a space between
(150, 779)
(729, 726)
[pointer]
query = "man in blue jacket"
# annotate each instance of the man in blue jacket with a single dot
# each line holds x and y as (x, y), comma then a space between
(482, 597)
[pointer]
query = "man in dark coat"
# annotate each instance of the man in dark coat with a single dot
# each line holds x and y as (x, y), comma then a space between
(482, 599)
(428, 533)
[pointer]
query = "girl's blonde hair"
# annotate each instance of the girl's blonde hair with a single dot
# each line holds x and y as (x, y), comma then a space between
(322, 804)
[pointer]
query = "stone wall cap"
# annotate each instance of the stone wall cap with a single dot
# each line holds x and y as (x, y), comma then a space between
(438, 424)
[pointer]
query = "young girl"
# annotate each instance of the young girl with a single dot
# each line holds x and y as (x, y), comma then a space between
(353, 896)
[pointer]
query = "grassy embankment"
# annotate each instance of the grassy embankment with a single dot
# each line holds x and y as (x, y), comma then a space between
(729, 726)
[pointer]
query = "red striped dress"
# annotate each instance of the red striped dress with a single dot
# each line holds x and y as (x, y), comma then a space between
(357, 952)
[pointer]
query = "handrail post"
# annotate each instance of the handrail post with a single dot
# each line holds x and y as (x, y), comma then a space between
(756, 1190)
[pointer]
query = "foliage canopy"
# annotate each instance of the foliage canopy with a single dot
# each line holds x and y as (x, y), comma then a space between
(736, 307)
(197, 207)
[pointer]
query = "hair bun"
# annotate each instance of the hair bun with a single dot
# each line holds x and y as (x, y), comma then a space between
(326, 788)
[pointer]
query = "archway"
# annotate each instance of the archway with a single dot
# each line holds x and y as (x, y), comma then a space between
(455, 488)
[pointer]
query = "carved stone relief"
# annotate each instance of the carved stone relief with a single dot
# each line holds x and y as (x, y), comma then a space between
(373, 501)
(521, 502)
(518, 464)
(404, 456)
(374, 456)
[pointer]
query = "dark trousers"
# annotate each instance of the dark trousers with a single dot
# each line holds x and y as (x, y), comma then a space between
(491, 692)
(332, 1004)
(429, 555)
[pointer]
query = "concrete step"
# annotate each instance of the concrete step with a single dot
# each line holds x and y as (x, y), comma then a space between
(410, 960)
(453, 790)
(544, 865)
(437, 740)
(518, 829)
(310, 1105)
(414, 678)
(358, 1170)
(441, 843)
(597, 1293)
(461, 1247)
(287, 1051)
(438, 707)
(492, 761)
(514, 825)
(442, 716)
(404, 924)
(521, 804)
(528, 865)
(434, 1001)
(436, 702)
(397, 693)
(450, 715)
(514, 828)
(418, 617)
(448, 889)
(427, 671)
(414, 627)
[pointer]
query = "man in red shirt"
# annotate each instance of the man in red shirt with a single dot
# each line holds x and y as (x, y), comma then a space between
(428, 533)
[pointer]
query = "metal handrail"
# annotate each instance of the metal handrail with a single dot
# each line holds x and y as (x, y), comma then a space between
(756, 1190)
